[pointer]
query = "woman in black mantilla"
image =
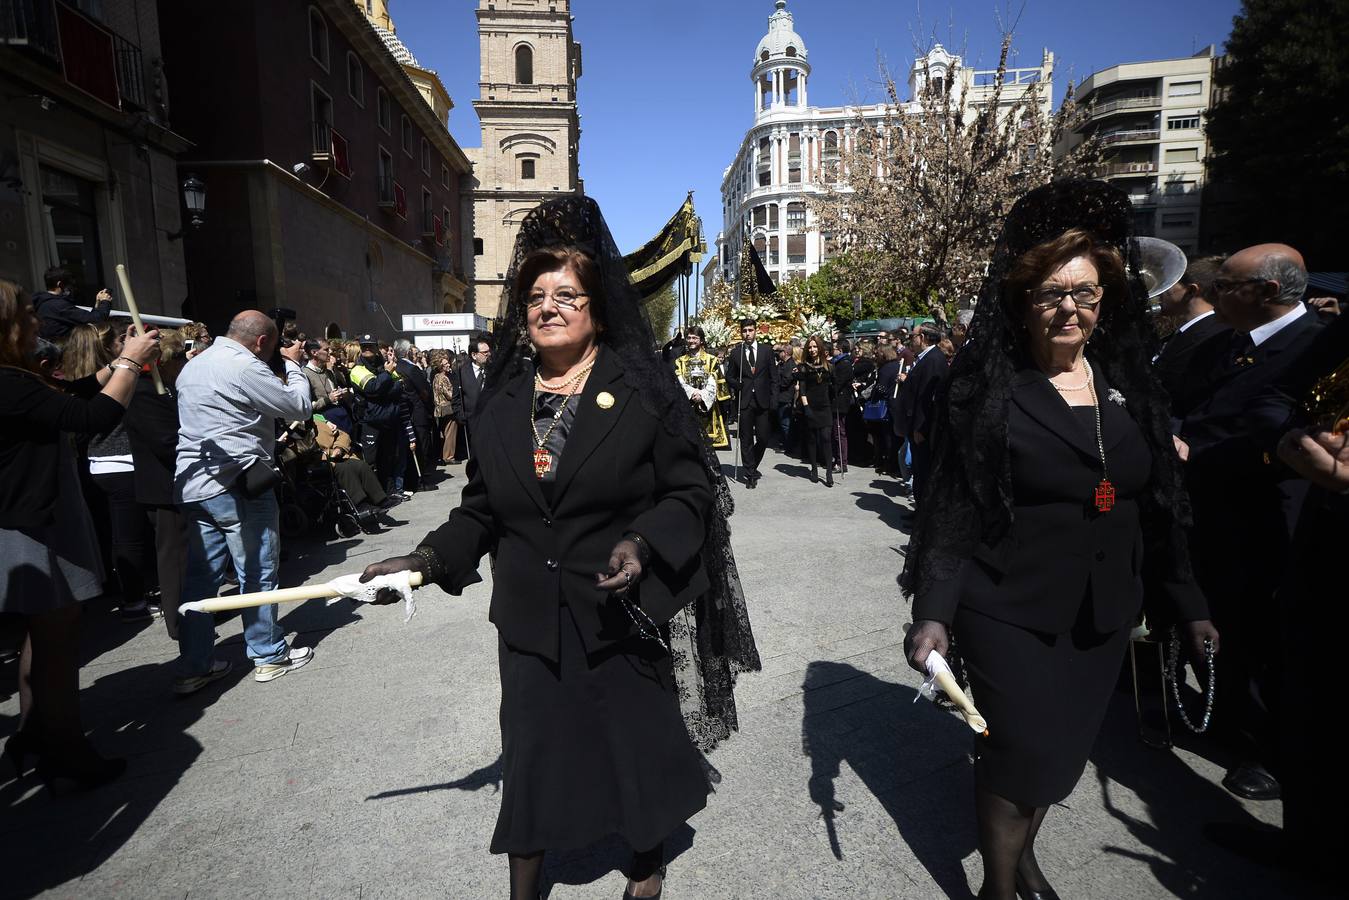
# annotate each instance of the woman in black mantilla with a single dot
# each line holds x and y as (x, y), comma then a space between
(615, 593)
(1055, 494)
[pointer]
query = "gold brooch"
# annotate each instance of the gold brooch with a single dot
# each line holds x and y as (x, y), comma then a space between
(604, 400)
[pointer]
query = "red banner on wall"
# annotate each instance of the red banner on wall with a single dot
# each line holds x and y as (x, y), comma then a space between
(87, 56)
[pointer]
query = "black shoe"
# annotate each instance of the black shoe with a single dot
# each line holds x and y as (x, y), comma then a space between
(1024, 892)
(829, 479)
(391, 501)
(814, 475)
(656, 896)
(1252, 781)
(18, 748)
(1258, 843)
(79, 765)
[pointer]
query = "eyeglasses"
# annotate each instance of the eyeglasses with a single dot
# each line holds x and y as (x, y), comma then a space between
(1227, 285)
(1084, 296)
(564, 299)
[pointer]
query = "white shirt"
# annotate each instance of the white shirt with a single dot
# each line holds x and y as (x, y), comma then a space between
(926, 351)
(1199, 318)
(1269, 329)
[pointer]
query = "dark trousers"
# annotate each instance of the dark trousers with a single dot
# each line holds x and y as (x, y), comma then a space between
(171, 553)
(128, 533)
(756, 430)
(922, 466)
(358, 481)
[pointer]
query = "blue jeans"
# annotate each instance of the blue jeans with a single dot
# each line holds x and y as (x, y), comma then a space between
(224, 527)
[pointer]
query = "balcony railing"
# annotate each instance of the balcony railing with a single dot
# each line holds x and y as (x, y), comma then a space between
(1118, 137)
(31, 24)
(1113, 106)
(384, 186)
(130, 72)
(1131, 168)
(323, 141)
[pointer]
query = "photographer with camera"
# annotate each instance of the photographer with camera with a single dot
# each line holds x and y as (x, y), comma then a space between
(228, 404)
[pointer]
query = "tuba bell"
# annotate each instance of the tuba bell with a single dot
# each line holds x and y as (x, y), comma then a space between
(1161, 265)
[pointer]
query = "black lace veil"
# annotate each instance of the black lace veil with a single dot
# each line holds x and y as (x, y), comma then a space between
(711, 640)
(969, 495)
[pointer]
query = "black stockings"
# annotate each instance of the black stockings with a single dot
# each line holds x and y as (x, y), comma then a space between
(820, 449)
(646, 877)
(1007, 844)
(525, 871)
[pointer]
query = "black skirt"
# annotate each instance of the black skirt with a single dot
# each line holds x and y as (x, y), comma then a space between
(593, 746)
(1044, 696)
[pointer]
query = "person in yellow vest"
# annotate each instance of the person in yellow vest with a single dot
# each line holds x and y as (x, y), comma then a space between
(375, 380)
(697, 373)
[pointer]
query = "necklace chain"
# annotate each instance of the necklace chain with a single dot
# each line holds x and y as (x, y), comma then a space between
(1175, 676)
(572, 385)
(1096, 408)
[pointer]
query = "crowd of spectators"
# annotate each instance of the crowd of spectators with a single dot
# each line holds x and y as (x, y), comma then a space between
(113, 489)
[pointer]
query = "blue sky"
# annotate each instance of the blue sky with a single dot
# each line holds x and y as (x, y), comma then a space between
(665, 97)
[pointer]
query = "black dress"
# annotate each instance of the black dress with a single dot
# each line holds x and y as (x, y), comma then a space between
(592, 738)
(817, 387)
(1042, 619)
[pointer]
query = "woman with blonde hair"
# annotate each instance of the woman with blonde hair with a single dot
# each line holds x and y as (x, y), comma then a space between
(46, 539)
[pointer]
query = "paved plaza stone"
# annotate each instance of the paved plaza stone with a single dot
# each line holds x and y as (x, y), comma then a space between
(374, 772)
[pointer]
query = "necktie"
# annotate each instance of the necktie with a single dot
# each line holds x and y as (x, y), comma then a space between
(1243, 351)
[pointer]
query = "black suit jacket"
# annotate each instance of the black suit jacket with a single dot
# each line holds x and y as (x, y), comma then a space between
(620, 471)
(418, 391)
(917, 394)
(1184, 368)
(752, 380)
(467, 389)
(1060, 552)
(151, 424)
(1228, 427)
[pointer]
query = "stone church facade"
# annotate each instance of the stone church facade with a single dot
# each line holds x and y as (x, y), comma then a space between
(530, 129)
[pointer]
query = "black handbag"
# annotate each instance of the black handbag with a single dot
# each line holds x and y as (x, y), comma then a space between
(258, 479)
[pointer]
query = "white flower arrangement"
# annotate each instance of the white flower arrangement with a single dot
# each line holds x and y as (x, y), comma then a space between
(814, 324)
(717, 332)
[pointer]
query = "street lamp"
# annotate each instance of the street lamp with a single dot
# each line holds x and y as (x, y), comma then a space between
(194, 198)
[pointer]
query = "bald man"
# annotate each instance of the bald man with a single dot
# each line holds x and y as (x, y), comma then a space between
(229, 402)
(1246, 503)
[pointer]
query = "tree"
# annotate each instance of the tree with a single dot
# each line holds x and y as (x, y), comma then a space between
(660, 310)
(1279, 127)
(927, 188)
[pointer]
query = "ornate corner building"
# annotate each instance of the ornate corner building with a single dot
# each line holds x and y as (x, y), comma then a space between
(531, 130)
(795, 150)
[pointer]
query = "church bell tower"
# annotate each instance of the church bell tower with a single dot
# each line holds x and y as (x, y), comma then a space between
(531, 130)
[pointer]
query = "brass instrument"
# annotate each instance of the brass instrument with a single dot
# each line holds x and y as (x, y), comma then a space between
(1161, 265)
(1327, 403)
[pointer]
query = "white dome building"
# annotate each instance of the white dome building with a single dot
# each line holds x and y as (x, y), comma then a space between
(793, 149)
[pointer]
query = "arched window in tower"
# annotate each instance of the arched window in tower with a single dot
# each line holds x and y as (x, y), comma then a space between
(791, 51)
(524, 64)
(791, 83)
(766, 91)
(764, 56)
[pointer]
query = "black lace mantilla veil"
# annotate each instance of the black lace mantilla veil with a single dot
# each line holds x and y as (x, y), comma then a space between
(969, 494)
(711, 640)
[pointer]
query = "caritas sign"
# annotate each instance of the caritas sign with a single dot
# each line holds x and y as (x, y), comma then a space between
(444, 331)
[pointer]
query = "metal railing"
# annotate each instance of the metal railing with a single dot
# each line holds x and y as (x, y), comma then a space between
(323, 140)
(30, 24)
(1116, 137)
(1131, 168)
(384, 186)
(130, 72)
(1112, 106)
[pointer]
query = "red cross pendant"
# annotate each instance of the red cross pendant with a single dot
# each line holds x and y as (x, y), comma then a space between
(1105, 496)
(543, 463)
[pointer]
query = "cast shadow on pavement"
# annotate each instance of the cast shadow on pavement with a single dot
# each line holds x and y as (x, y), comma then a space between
(488, 776)
(911, 756)
(887, 508)
(1179, 802)
(128, 713)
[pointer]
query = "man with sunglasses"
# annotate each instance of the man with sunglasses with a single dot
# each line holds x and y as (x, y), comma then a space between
(1246, 503)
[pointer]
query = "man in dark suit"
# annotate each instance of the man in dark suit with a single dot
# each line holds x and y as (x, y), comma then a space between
(469, 379)
(750, 370)
(913, 408)
(417, 390)
(1189, 303)
(1246, 503)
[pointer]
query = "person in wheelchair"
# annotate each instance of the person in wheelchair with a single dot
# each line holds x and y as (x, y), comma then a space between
(353, 474)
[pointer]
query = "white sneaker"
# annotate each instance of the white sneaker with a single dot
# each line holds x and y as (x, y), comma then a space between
(190, 684)
(297, 658)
